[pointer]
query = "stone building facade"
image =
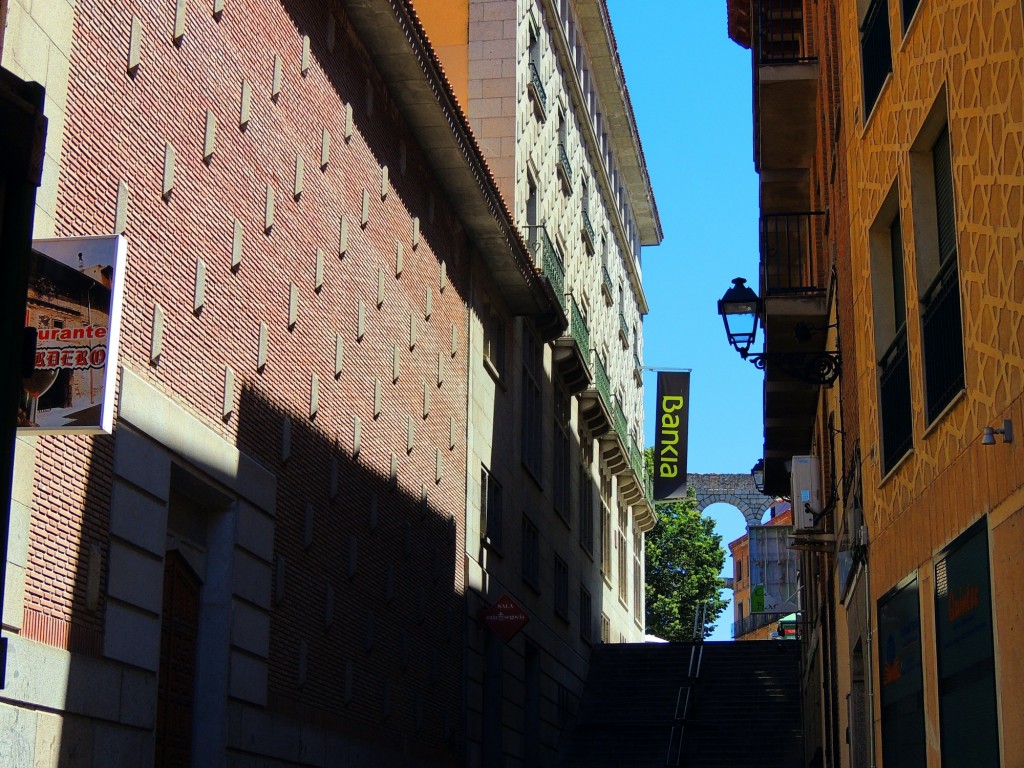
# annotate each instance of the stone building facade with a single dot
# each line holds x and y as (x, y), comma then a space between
(557, 428)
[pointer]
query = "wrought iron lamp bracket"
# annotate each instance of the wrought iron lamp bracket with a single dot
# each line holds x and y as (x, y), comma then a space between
(821, 368)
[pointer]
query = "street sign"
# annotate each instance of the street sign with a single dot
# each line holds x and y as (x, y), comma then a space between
(504, 618)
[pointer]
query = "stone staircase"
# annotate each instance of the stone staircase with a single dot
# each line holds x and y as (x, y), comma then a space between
(744, 707)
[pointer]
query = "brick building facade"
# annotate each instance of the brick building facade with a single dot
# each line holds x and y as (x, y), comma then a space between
(263, 564)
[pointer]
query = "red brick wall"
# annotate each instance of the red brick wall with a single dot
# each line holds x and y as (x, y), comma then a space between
(117, 129)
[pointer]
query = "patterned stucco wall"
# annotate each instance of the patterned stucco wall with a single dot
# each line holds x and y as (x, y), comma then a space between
(967, 58)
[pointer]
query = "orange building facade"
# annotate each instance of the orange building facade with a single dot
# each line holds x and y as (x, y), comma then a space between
(905, 120)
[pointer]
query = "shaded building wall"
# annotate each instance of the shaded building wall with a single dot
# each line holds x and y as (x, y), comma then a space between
(292, 407)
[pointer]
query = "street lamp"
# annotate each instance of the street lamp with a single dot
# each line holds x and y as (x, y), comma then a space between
(740, 309)
(758, 474)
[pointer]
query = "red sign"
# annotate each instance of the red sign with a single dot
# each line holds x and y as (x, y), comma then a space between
(505, 618)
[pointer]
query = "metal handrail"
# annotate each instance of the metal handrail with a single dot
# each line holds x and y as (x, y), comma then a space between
(781, 36)
(563, 160)
(551, 265)
(601, 381)
(589, 228)
(682, 713)
(789, 242)
(535, 80)
(578, 328)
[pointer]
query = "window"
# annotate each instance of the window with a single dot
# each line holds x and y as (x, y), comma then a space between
(535, 84)
(564, 705)
(739, 569)
(586, 510)
(563, 165)
(533, 369)
(890, 318)
(623, 558)
(531, 554)
(490, 510)
(908, 7)
(586, 616)
(606, 530)
(494, 341)
(561, 588)
(638, 576)
(560, 465)
(532, 225)
(942, 332)
(875, 51)
(606, 628)
(937, 272)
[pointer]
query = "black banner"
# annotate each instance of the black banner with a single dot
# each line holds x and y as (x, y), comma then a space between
(673, 414)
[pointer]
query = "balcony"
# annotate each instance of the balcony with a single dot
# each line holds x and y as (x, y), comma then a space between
(795, 320)
(637, 488)
(589, 237)
(754, 622)
(615, 443)
(623, 331)
(638, 369)
(564, 169)
(786, 86)
(596, 399)
(894, 395)
(572, 351)
(535, 89)
(607, 286)
(548, 259)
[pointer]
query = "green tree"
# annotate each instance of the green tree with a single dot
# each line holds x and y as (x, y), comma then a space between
(684, 559)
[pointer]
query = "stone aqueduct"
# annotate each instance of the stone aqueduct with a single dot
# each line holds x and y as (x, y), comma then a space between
(737, 490)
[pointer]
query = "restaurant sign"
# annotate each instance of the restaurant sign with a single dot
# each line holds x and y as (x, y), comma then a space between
(72, 324)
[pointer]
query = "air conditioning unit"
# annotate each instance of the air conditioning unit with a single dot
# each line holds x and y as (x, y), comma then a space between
(806, 484)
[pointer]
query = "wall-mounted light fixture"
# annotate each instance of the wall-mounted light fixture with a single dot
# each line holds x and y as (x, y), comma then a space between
(758, 474)
(741, 309)
(991, 432)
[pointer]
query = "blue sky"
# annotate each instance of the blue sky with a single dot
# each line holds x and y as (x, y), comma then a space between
(691, 91)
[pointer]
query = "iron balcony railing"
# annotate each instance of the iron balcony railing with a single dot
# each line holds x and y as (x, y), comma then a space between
(875, 51)
(545, 252)
(538, 86)
(789, 243)
(623, 327)
(601, 381)
(942, 338)
(897, 417)
(563, 162)
(636, 458)
(606, 282)
(588, 229)
(578, 328)
(643, 479)
(755, 621)
(781, 36)
(621, 425)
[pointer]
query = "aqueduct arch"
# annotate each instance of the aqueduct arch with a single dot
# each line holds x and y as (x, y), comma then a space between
(737, 490)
